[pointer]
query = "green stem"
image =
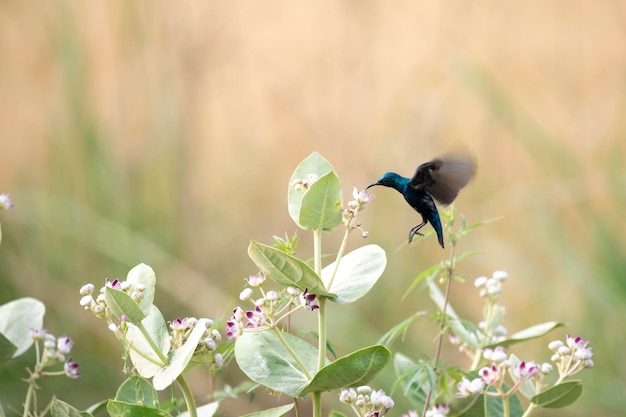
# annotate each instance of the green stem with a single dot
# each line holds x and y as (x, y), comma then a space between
(190, 402)
(443, 325)
(505, 407)
(316, 397)
(29, 396)
(317, 403)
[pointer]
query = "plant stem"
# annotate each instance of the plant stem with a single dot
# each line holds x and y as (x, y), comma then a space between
(190, 402)
(443, 324)
(316, 397)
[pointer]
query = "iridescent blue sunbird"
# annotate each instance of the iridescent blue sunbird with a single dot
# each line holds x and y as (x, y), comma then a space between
(440, 179)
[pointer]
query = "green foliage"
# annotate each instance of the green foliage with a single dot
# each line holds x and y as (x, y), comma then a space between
(357, 368)
(285, 269)
(16, 317)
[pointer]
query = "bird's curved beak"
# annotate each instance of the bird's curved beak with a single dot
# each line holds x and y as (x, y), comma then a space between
(373, 184)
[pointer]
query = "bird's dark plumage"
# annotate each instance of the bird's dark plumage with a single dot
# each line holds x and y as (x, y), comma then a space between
(440, 179)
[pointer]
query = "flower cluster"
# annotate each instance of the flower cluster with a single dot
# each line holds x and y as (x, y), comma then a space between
(360, 199)
(495, 373)
(98, 305)
(54, 351)
(269, 309)
(303, 184)
(5, 202)
(572, 356)
(491, 287)
(181, 328)
(366, 402)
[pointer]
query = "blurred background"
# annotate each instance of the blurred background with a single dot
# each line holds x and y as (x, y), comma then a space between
(146, 132)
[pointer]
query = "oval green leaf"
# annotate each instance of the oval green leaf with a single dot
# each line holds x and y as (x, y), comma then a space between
(265, 360)
(124, 409)
(529, 333)
(16, 317)
(321, 207)
(137, 390)
(285, 269)
(314, 164)
(121, 304)
(560, 395)
(357, 273)
(352, 370)
(60, 408)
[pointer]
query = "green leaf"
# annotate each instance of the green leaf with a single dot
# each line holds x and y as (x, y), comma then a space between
(321, 207)
(357, 273)
(285, 269)
(179, 358)
(264, 359)
(137, 390)
(315, 164)
(392, 334)
(272, 412)
(355, 369)
(123, 409)
(413, 378)
(560, 395)
(335, 413)
(143, 356)
(428, 274)
(59, 408)
(7, 349)
(16, 317)
(143, 274)
(529, 333)
(121, 304)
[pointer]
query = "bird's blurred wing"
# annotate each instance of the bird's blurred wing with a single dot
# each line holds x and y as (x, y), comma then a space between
(444, 177)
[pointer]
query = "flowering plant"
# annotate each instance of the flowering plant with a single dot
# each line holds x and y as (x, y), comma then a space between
(302, 363)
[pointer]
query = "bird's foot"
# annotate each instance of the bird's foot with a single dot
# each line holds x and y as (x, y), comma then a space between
(412, 233)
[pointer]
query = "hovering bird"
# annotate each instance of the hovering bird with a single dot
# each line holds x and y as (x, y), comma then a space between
(441, 179)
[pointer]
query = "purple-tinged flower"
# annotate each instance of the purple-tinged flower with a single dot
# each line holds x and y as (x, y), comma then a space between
(37, 334)
(306, 300)
(491, 375)
(467, 387)
(361, 198)
(256, 317)
(5, 202)
(576, 342)
(526, 370)
(64, 344)
(71, 368)
(180, 324)
(234, 326)
(115, 284)
(256, 280)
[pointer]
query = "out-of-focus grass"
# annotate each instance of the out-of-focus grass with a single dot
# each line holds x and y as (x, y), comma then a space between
(145, 133)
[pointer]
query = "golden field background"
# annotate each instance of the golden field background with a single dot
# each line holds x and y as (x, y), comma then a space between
(166, 133)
